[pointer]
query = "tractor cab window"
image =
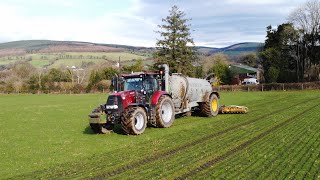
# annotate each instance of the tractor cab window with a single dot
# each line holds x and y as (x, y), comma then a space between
(150, 84)
(133, 84)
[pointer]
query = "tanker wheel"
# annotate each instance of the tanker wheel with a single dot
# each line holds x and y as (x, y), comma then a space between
(211, 107)
(135, 121)
(164, 112)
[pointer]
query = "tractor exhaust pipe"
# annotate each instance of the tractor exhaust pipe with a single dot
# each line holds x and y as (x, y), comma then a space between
(166, 77)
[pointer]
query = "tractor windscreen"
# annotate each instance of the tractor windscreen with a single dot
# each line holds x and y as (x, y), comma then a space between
(133, 84)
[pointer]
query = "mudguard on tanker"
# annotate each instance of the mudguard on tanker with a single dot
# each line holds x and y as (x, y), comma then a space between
(153, 99)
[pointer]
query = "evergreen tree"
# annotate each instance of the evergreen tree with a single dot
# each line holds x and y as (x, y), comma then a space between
(174, 48)
(279, 54)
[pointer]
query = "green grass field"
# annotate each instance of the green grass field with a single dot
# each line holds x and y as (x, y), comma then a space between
(72, 58)
(47, 137)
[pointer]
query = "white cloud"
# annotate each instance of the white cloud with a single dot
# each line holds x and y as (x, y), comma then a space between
(113, 28)
(216, 23)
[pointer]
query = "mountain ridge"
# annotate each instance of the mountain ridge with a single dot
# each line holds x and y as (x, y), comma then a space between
(47, 46)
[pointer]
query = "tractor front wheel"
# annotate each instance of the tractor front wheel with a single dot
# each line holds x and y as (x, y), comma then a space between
(135, 121)
(164, 112)
(211, 107)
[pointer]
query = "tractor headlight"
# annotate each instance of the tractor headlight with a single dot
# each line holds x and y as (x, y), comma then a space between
(111, 106)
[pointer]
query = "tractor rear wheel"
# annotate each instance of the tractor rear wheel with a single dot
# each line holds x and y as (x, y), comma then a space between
(211, 107)
(164, 112)
(135, 121)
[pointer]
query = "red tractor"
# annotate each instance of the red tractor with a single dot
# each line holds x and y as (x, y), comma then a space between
(153, 99)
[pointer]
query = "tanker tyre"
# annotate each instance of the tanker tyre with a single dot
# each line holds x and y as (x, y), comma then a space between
(164, 112)
(134, 121)
(211, 107)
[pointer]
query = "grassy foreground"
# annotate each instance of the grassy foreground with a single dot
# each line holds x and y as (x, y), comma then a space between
(47, 136)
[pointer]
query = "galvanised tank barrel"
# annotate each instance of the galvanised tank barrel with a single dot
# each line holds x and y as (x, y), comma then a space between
(186, 89)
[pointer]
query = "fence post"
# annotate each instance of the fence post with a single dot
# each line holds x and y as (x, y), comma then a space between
(302, 86)
(262, 88)
(282, 87)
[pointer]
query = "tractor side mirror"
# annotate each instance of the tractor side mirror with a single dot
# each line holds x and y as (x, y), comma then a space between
(113, 82)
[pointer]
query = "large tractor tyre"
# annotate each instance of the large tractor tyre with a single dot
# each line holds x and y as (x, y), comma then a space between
(164, 112)
(211, 107)
(135, 121)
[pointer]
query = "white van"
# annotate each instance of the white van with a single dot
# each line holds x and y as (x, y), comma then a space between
(248, 81)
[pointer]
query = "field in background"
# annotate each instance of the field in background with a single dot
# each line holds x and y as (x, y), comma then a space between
(47, 136)
(57, 60)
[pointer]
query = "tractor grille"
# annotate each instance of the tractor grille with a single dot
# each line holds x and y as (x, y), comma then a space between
(115, 100)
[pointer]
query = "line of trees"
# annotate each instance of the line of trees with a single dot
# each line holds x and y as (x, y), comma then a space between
(292, 51)
(22, 77)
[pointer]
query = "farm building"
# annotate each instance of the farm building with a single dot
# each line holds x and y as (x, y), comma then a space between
(241, 72)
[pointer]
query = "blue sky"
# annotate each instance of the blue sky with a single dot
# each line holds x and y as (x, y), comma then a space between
(134, 22)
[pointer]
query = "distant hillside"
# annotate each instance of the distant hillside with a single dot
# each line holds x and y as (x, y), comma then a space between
(233, 50)
(47, 53)
(48, 46)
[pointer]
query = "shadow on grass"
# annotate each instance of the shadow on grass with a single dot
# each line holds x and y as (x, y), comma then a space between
(88, 130)
(116, 129)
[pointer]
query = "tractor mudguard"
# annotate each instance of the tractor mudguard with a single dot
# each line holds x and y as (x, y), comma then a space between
(156, 96)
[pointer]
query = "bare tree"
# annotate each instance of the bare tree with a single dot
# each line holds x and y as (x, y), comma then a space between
(306, 19)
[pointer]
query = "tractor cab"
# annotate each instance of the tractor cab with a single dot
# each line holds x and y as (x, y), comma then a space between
(144, 83)
(133, 90)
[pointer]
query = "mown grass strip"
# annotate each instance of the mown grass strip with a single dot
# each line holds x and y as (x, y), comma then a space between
(242, 146)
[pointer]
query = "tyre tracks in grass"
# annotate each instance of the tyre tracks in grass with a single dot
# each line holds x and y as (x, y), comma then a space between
(294, 140)
(181, 161)
(254, 154)
(242, 146)
(318, 169)
(259, 170)
(173, 151)
(298, 168)
(238, 164)
(298, 158)
(291, 151)
(260, 103)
